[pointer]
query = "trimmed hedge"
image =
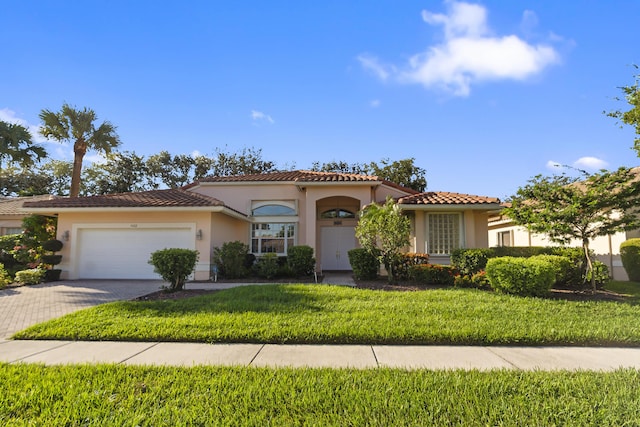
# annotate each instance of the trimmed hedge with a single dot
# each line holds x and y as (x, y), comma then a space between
(433, 274)
(365, 265)
(300, 260)
(32, 276)
(231, 259)
(630, 255)
(521, 276)
(174, 265)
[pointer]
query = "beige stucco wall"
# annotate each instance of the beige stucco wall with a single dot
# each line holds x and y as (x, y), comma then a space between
(68, 221)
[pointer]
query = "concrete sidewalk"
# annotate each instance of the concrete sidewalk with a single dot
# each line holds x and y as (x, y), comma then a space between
(331, 356)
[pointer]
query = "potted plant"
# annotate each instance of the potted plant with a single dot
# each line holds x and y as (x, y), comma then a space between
(52, 274)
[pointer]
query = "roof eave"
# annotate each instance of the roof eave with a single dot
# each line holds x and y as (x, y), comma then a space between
(456, 206)
(54, 210)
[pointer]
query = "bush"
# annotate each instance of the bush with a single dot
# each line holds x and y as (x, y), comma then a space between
(433, 274)
(52, 245)
(5, 279)
(32, 276)
(406, 261)
(365, 265)
(478, 280)
(601, 272)
(562, 267)
(470, 261)
(267, 266)
(521, 276)
(174, 265)
(630, 254)
(232, 259)
(300, 260)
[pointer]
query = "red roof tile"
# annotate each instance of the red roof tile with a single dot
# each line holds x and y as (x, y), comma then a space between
(294, 176)
(155, 198)
(446, 198)
(13, 205)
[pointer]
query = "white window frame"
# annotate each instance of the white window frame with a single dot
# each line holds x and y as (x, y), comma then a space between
(285, 220)
(445, 245)
(258, 238)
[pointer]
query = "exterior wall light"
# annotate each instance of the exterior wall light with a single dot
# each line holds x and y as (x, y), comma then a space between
(199, 235)
(65, 236)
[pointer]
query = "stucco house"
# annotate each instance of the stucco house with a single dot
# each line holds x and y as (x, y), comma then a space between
(12, 213)
(112, 236)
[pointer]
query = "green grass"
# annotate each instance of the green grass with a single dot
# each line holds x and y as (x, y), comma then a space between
(115, 395)
(334, 314)
(632, 289)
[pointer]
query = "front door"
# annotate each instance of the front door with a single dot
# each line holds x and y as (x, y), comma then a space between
(336, 242)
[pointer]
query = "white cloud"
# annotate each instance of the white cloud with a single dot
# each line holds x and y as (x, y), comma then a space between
(469, 53)
(10, 116)
(375, 103)
(259, 116)
(553, 165)
(590, 163)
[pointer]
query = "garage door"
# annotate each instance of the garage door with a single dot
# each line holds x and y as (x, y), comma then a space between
(116, 253)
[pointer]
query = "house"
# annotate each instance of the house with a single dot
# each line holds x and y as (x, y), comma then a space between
(12, 213)
(112, 236)
(503, 232)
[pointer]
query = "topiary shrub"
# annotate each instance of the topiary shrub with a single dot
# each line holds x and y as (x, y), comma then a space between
(365, 265)
(232, 259)
(174, 265)
(5, 278)
(562, 267)
(521, 276)
(470, 261)
(267, 266)
(33, 276)
(433, 274)
(300, 260)
(630, 255)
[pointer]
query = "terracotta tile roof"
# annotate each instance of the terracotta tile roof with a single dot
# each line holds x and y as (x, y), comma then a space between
(13, 205)
(294, 176)
(446, 198)
(154, 198)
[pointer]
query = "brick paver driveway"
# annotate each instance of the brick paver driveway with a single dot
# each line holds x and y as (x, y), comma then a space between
(27, 305)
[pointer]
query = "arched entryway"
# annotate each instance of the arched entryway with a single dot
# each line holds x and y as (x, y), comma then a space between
(336, 219)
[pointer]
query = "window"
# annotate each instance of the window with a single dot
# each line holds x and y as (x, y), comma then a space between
(272, 238)
(10, 230)
(504, 238)
(337, 213)
(444, 233)
(273, 210)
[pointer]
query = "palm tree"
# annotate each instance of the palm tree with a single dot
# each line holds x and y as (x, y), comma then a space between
(16, 145)
(70, 124)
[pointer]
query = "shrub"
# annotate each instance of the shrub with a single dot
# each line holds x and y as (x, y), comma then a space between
(470, 261)
(32, 276)
(433, 274)
(521, 276)
(478, 280)
(365, 265)
(630, 255)
(174, 265)
(601, 272)
(300, 260)
(5, 279)
(562, 267)
(406, 261)
(52, 245)
(232, 259)
(267, 266)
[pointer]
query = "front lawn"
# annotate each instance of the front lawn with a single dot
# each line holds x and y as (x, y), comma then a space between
(116, 395)
(336, 314)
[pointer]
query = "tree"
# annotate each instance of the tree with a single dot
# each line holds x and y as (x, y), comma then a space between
(78, 126)
(59, 173)
(246, 162)
(23, 182)
(16, 146)
(172, 171)
(123, 172)
(340, 167)
(565, 208)
(403, 172)
(384, 231)
(632, 116)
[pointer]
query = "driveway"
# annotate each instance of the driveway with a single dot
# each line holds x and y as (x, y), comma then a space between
(27, 305)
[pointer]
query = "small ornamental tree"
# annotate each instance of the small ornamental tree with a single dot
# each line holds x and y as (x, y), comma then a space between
(384, 231)
(174, 265)
(565, 208)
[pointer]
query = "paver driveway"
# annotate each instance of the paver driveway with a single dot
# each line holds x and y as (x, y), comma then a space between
(27, 305)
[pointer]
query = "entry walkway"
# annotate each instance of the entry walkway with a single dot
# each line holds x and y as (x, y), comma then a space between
(316, 356)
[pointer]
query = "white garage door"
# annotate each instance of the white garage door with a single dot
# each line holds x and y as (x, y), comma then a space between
(117, 253)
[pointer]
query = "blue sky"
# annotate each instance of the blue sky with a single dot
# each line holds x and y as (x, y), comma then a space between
(484, 95)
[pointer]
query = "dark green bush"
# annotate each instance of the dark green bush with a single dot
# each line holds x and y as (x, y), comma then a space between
(232, 259)
(521, 276)
(478, 280)
(406, 261)
(470, 261)
(267, 266)
(52, 245)
(601, 272)
(433, 274)
(630, 255)
(5, 279)
(174, 265)
(300, 260)
(365, 265)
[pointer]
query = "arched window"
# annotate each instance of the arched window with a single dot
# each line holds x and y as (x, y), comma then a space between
(337, 213)
(273, 210)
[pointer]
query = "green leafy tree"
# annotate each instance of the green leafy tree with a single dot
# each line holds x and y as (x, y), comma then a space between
(630, 117)
(79, 127)
(173, 171)
(403, 172)
(566, 208)
(340, 167)
(122, 172)
(59, 173)
(17, 147)
(246, 162)
(384, 231)
(23, 182)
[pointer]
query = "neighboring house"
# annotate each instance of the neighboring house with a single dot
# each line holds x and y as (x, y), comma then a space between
(112, 236)
(11, 213)
(503, 232)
